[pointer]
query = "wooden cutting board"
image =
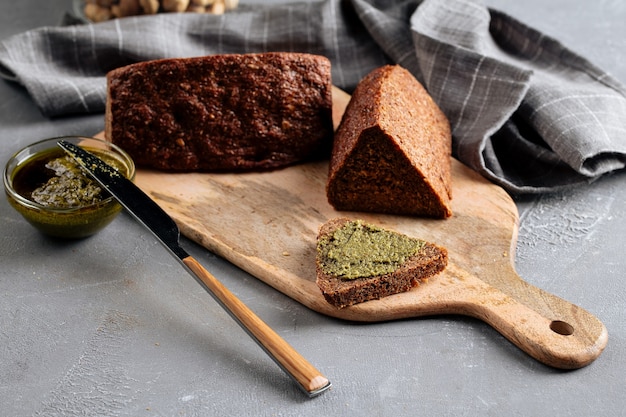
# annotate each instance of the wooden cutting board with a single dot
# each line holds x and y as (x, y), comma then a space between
(267, 223)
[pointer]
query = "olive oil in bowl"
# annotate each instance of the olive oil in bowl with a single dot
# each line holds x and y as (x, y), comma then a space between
(50, 190)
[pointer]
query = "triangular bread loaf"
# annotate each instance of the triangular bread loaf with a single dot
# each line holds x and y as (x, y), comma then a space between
(392, 150)
(343, 289)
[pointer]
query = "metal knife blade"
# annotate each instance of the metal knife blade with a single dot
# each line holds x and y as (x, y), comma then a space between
(152, 216)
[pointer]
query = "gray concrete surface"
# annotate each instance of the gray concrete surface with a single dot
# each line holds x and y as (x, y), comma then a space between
(112, 326)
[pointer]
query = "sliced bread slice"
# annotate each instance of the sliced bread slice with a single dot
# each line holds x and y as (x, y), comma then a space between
(358, 262)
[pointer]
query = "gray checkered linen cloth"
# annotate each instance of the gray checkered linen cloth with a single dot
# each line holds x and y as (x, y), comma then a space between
(526, 112)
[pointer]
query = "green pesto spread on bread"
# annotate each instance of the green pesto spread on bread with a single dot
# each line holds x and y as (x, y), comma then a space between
(357, 262)
(358, 250)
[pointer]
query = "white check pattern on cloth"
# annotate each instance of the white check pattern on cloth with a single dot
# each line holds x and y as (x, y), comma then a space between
(526, 112)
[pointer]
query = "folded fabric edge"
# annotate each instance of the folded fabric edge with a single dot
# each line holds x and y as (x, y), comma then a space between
(528, 188)
(5, 72)
(603, 163)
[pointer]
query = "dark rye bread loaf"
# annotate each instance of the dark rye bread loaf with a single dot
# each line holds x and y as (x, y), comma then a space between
(222, 112)
(427, 262)
(392, 149)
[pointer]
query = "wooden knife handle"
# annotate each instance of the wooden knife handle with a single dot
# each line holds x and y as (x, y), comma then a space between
(309, 379)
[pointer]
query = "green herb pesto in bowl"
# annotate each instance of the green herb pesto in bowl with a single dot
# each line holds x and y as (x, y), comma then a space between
(53, 193)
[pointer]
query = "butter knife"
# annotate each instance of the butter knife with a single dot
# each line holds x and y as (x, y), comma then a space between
(148, 212)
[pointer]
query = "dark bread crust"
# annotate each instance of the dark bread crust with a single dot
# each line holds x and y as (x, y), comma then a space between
(235, 112)
(392, 149)
(431, 260)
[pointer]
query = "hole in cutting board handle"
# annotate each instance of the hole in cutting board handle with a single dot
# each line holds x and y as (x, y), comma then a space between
(562, 328)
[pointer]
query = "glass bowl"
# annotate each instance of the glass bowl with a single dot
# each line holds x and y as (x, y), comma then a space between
(25, 172)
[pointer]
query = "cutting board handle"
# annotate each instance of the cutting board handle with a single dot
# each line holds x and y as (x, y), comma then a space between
(563, 335)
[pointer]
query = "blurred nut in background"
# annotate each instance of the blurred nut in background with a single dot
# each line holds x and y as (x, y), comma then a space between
(101, 10)
(175, 6)
(126, 8)
(149, 6)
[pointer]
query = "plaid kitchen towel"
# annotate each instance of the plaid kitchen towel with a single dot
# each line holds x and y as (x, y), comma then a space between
(526, 112)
